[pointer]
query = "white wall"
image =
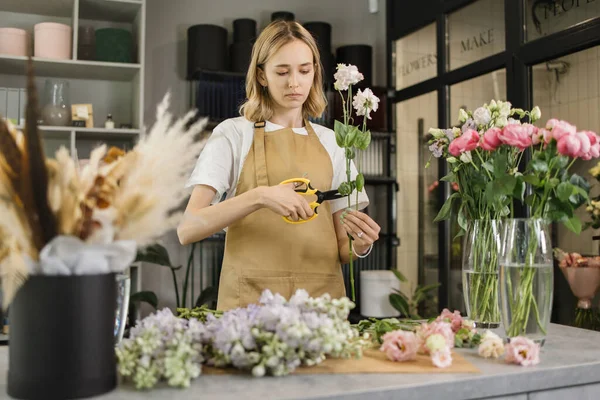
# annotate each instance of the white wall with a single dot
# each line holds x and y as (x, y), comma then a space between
(166, 63)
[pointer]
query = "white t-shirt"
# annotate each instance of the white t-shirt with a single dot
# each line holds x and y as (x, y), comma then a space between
(222, 159)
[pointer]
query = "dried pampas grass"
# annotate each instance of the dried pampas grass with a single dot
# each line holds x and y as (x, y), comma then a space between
(153, 188)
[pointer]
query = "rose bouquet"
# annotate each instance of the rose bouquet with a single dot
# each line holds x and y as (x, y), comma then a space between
(484, 156)
(351, 138)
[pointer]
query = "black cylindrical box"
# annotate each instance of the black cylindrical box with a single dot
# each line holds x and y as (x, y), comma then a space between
(327, 61)
(207, 49)
(284, 15)
(62, 342)
(321, 31)
(240, 54)
(360, 55)
(244, 30)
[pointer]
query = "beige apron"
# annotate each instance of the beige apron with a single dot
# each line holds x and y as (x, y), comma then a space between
(262, 251)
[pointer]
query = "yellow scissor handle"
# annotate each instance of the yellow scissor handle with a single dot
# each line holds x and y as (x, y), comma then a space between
(309, 191)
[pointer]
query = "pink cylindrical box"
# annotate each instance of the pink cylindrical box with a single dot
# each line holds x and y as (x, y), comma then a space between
(13, 41)
(52, 40)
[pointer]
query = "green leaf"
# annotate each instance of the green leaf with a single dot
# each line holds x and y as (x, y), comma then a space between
(399, 275)
(350, 153)
(340, 132)
(360, 182)
(488, 166)
(448, 178)
(529, 199)
(461, 218)
(399, 304)
(208, 296)
(345, 189)
(564, 191)
(427, 288)
(539, 165)
(365, 141)
(145, 297)
(532, 180)
(505, 185)
(156, 254)
(500, 164)
(573, 224)
(446, 209)
(560, 162)
(351, 137)
(519, 192)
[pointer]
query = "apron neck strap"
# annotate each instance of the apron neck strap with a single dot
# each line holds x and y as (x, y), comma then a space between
(260, 165)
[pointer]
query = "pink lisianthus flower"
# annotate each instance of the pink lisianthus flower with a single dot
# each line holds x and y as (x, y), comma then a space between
(560, 128)
(400, 345)
(594, 149)
(426, 330)
(442, 358)
(569, 145)
(522, 351)
(491, 141)
(454, 318)
(516, 135)
(468, 141)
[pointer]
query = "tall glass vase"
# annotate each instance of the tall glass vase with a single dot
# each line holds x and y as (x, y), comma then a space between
(526, 278)
(480, 272)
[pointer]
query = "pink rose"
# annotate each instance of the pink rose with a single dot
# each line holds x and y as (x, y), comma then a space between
(442, 358)
(399, 345)
(454, 318)
(560, 128)
(569, 145)
(522, 351)
(490, 139)
(426, 330)
(518, 135)
(547, 135)
(468, 141)
(594, 149)
(585, 144)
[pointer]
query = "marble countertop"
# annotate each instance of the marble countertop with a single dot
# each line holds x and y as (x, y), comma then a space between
(570, 357)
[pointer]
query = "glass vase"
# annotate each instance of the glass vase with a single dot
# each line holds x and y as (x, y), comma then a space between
(481, 247)
(526, 278)
(56, 110)
(123, 293)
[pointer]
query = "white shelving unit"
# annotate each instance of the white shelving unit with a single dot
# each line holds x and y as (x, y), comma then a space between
(115, 88)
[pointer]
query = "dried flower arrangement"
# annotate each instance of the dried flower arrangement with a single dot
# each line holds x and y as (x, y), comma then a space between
(58, 218)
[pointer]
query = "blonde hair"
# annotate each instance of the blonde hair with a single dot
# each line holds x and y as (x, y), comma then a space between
(259, 105)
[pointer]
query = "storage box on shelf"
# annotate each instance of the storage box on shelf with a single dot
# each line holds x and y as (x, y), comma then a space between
(111, 87)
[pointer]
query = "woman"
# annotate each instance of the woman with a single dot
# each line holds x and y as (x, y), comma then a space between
(247, 157)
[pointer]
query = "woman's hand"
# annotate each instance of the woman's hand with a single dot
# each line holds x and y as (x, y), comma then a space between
(362, 228)
(283, 200)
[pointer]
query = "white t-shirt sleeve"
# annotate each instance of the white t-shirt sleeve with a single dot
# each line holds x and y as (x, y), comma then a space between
(339, 176)
(215, 165)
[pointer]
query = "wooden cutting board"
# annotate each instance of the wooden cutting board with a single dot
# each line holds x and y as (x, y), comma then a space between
(373, 361)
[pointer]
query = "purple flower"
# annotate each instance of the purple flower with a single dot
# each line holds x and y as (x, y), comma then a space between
(449, 134)
(469, 124)
(436, 149)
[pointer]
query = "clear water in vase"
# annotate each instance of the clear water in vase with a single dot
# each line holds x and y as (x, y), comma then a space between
(480, 291)
(526, 294)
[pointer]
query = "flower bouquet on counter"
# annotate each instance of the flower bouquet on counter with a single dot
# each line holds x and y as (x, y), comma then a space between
(353, 139)
(583, 275)
(273, 337)
(65, 231)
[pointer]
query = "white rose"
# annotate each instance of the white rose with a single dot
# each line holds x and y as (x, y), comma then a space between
(482, 116)
(365, 102)
(501, 122)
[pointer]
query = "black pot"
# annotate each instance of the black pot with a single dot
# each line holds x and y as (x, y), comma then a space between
(240, 56)
(321, 31)
(207, 49)
(62, 342)
(244, 30)
(284, 15)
